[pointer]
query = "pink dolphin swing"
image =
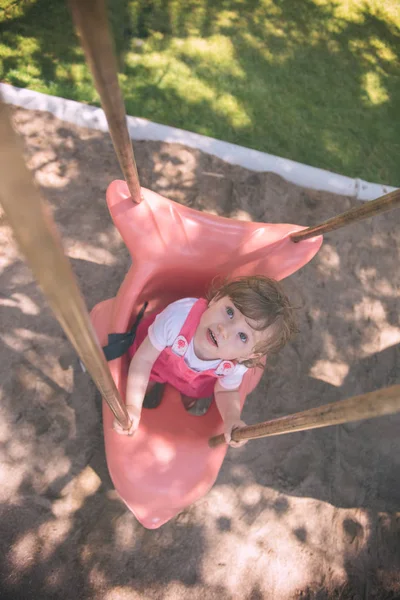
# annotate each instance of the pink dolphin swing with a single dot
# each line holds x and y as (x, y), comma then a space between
(170, 462)
(176, 252)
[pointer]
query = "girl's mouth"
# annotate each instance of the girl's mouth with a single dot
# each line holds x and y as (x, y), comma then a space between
(212, 338)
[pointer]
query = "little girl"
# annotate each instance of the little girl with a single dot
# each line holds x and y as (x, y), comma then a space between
(204, 347)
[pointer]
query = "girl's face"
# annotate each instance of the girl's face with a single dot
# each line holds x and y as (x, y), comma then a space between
(225, 333)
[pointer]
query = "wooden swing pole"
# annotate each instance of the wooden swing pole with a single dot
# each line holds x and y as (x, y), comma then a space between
(90, 18)
(37, 236)
(369, 209)
(366, 406)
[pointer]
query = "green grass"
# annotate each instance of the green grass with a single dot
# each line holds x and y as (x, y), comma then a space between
(317, 81)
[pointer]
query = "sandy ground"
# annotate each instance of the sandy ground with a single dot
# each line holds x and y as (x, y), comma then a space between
(307, 515)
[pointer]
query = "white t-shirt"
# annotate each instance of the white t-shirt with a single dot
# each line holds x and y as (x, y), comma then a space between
(165, 329)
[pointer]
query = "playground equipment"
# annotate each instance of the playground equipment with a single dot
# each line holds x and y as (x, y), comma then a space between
(176, 252)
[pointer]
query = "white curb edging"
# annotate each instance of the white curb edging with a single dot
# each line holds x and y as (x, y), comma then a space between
(141, 129)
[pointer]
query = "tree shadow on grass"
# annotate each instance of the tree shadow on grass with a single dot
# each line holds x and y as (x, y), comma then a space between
(339, 112)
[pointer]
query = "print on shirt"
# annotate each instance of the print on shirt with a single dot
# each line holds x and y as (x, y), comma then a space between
(224, 368)
(180, 345)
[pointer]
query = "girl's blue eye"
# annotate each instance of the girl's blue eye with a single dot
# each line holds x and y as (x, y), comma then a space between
(243, 337)
(229, 312)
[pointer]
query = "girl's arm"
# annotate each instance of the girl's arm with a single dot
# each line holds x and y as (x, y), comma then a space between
(138, 379)
(228, 404)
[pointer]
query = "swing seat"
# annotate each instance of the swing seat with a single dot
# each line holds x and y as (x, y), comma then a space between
(177, 252)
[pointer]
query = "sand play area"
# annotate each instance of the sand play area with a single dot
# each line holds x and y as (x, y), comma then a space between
(309, 515)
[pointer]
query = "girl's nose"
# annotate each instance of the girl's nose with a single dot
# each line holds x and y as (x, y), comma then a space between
(222, 331)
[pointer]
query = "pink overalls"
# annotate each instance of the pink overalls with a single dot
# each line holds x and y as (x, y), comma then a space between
(170, 366)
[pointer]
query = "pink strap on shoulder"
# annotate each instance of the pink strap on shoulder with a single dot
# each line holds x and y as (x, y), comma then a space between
(193, 319)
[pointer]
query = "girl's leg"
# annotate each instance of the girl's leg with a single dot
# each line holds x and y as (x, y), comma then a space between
(188, 402)
(197, 405)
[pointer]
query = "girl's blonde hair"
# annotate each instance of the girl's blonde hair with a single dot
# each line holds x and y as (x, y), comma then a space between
(263, 300)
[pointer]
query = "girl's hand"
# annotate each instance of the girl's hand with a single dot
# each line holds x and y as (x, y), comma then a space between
(228, 428)
(135, 419)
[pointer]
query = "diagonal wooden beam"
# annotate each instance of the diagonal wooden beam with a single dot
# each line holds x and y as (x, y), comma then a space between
(366, 406)
(354, 215)
(39, 241)
(90, 18)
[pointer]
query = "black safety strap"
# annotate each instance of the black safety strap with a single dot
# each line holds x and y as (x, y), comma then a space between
(118, 343)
